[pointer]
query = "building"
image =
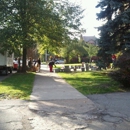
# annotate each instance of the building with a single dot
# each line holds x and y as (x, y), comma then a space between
(89, 39)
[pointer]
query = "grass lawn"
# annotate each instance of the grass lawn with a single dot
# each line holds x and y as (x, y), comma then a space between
(17, 86)
(92, 82)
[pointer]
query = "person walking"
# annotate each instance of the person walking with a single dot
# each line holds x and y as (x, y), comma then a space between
(51, 64)
(113, 60)
(30, 62)
(19, 64)
(39, 64)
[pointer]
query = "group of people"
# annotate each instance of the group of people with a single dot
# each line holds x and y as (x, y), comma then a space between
(34, 64)
(37, 64)
(31, 64)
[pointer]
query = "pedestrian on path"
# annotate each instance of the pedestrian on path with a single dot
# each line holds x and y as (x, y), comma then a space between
(113, 60)
(30, 63)
(38, 64)
(51, 64)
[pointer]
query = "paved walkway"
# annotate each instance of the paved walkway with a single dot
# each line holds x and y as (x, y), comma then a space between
(49, 88)
(64, 108)
(55, 105)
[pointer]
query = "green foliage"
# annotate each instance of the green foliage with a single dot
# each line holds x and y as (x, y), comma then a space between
(123, 74)
(68, 50)
(77, 49)
(73, 48)
(92, 49)
(64, 28)
(113, 33)
(26, 23)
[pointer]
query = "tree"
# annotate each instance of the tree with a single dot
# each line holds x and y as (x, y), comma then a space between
(115, 32)
(92, 50)
(115, 35)
(77, 49)
(23, 23)
(70, 16)
(28, 22)
(73, 48)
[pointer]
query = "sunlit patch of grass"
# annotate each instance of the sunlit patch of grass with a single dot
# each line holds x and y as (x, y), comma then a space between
(17, 86)
(91, 82)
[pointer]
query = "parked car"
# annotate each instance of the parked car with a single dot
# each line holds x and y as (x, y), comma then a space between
(59, 62)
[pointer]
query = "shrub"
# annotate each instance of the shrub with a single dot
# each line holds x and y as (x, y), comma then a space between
(123, 74)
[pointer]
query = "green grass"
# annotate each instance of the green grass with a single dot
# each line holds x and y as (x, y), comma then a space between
(92, 82)
(17, 86)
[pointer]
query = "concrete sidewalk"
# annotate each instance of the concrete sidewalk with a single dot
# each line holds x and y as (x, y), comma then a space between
(49, 88)
(56, 105)
(62, 107)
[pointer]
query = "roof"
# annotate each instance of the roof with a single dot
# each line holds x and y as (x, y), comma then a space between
(89, 38)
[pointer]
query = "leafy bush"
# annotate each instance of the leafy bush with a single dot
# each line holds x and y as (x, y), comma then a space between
(123, 74)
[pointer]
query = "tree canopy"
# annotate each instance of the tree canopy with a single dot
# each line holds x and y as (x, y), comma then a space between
(37, 22)
(115, 36)
(115, 33)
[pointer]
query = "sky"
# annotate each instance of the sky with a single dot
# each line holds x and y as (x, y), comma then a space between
(89, 21)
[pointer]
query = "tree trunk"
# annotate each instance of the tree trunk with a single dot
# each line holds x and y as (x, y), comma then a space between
(24, 60)
(90, 61)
